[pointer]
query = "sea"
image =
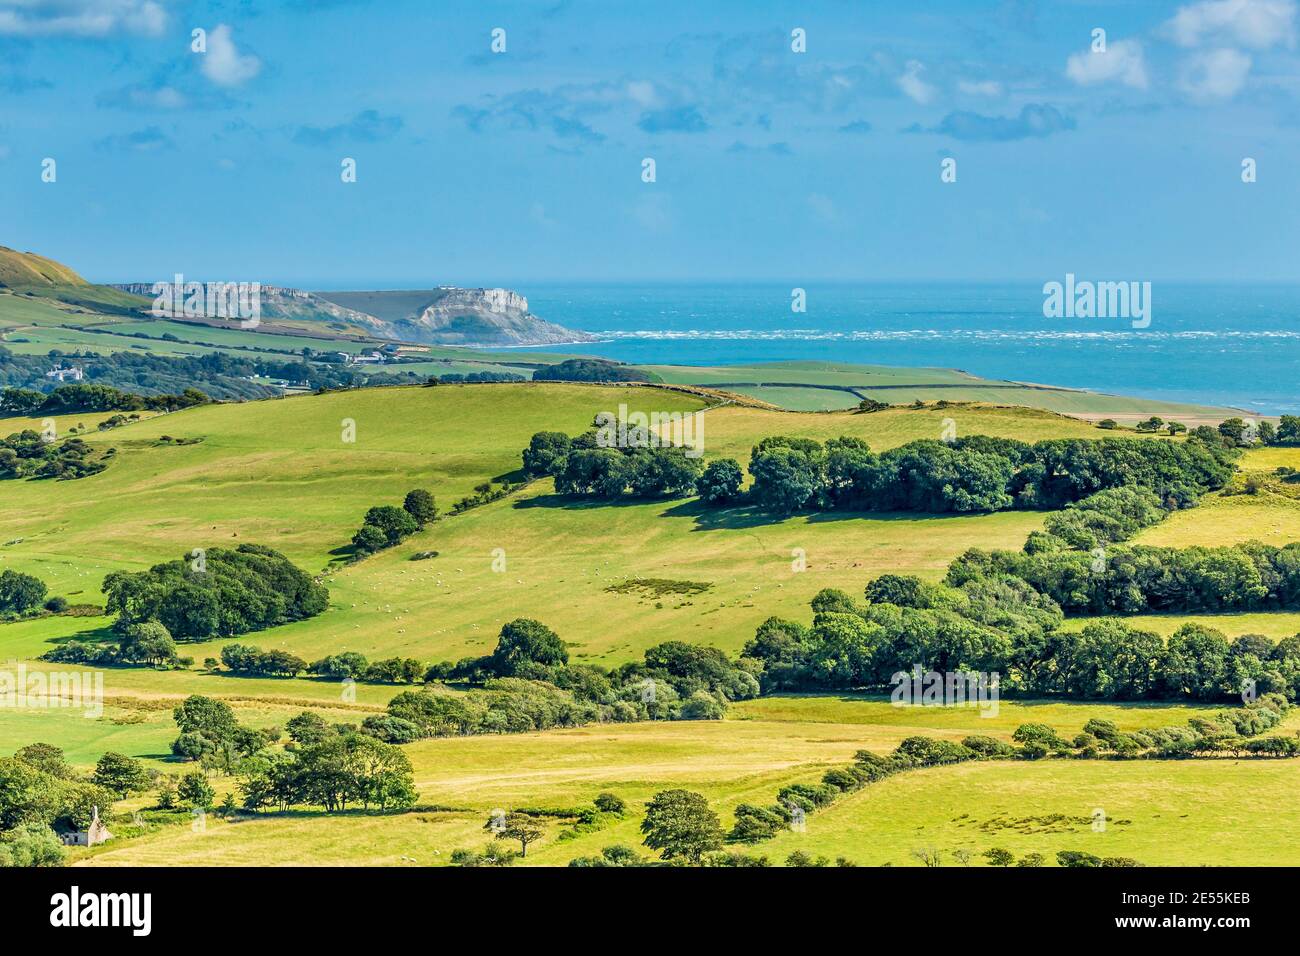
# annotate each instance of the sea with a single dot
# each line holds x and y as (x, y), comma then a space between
(1221, 344)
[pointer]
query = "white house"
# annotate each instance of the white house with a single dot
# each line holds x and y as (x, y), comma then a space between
(63, 374)
(93, 835)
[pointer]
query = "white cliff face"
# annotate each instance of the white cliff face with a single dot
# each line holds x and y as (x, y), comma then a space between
(442, 316)
(496, 300)
(459, 301)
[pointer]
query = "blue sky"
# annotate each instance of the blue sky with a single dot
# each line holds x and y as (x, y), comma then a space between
(476, 167)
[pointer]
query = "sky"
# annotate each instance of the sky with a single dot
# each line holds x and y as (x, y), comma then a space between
(791, 141)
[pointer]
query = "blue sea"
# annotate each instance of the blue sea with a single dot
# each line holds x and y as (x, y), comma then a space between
(1236, 345)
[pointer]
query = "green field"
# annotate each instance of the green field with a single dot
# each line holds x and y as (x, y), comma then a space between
(829, 386)
(279, 472)
(1219, 810)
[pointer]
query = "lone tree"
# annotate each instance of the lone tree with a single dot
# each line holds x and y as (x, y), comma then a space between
(121, 774)
(999, 856)
(20, 592)
(516, 826)
(680, 823)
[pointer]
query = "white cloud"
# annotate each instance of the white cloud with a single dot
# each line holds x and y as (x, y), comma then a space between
(87, 18)
(980, 87)
(224, 64)
(912, 84)
(1214, 74)
(1258, 24)
(1122, 62)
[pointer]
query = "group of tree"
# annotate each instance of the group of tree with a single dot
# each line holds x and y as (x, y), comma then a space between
(211, 735)
(40, 792)
(335, 769)
(387, 525)
(248, 661)
(93, 397)
(216, 593)
(974, 474)
(592, 370)
(643, 465)
(978, 473)
(1000, 625)
(474, 378)
(28, 454)
(145, 643)
(527, 683)
(1140, 579)
(165, 382)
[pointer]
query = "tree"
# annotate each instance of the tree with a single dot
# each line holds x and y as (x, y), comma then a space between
(1077, 858)
(999, 857)
(419, 504)
(369, 539)
(121, 774)
(905, 590)
(148, 641)
(46, 758)
(307, 728)
(394, 522)
(206, 716)
(1233, 429)
(20, 401)
(20, 593)
(721, 481)
(192, 746)
(383, 773)
(680, 824)
(29, 845)
(516, 826)
(787, 477)
(234, 591)
(195, 790)
(928, 856)
(610, 803)
(1195, 664)
(524, 641)
(546, 454)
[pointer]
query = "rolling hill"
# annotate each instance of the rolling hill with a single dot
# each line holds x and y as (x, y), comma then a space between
(279, 472)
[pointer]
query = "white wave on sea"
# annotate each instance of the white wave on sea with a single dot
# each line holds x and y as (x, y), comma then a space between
(887, 335)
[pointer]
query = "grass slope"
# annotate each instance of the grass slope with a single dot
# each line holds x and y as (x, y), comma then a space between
(770, 744)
